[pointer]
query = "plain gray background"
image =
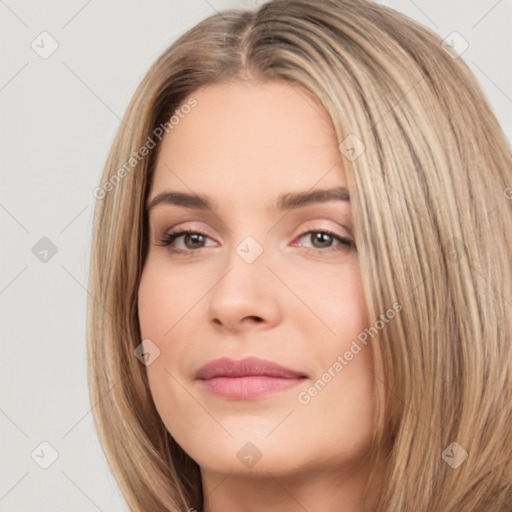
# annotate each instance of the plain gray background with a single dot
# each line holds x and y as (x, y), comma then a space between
(59, 117)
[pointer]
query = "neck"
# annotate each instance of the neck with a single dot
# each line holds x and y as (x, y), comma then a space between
(327, 489)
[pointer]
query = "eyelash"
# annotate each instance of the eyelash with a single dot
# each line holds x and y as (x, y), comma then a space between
(171, 236)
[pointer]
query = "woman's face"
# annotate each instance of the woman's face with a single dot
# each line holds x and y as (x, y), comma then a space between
(266, 275)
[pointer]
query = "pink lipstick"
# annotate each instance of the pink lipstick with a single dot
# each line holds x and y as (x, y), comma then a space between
(247, 379)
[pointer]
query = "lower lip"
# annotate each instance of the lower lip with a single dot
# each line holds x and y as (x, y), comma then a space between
(250, 387)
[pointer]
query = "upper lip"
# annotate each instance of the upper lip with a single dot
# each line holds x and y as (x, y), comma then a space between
(226, 367)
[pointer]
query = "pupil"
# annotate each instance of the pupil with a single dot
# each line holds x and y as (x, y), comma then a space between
(322, 238)
(196, 240)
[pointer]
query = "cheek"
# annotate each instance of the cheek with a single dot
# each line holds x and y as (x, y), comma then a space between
(344, 363)
(153, 304)
(341, 395)
(167, 301)
(164, 297)
(336, 301)
(160, 309)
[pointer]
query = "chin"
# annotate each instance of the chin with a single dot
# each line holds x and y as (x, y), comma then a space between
(250, 451)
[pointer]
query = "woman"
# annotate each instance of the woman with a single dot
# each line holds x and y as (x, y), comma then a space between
(300, 280)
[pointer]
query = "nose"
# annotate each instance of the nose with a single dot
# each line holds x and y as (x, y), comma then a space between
(246, 296)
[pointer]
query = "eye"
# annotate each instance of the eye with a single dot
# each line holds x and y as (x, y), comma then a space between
(192, 240)
(325, 241)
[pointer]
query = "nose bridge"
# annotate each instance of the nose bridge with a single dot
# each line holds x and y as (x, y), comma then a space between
(245, 288)
(250, 249)
(245, 263)
(248, 241)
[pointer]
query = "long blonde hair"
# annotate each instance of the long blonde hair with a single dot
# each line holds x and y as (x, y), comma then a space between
(430, 195)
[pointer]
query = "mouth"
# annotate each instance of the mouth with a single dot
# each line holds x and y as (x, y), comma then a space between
(247, 379)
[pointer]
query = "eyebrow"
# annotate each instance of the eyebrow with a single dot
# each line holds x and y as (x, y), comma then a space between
(287, 201)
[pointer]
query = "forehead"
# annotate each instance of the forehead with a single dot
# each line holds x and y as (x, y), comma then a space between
(250, 136)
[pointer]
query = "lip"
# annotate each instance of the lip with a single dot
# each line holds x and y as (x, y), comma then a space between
(248, 378)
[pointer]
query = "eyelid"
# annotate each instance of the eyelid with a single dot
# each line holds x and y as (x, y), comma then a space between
(319, 225)
(185, 226)
(313, 225)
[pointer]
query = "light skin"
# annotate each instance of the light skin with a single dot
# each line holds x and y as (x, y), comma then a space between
(299, 303)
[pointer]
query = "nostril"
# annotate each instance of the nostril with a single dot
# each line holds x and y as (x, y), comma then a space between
(251, 318)
(256, 318)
